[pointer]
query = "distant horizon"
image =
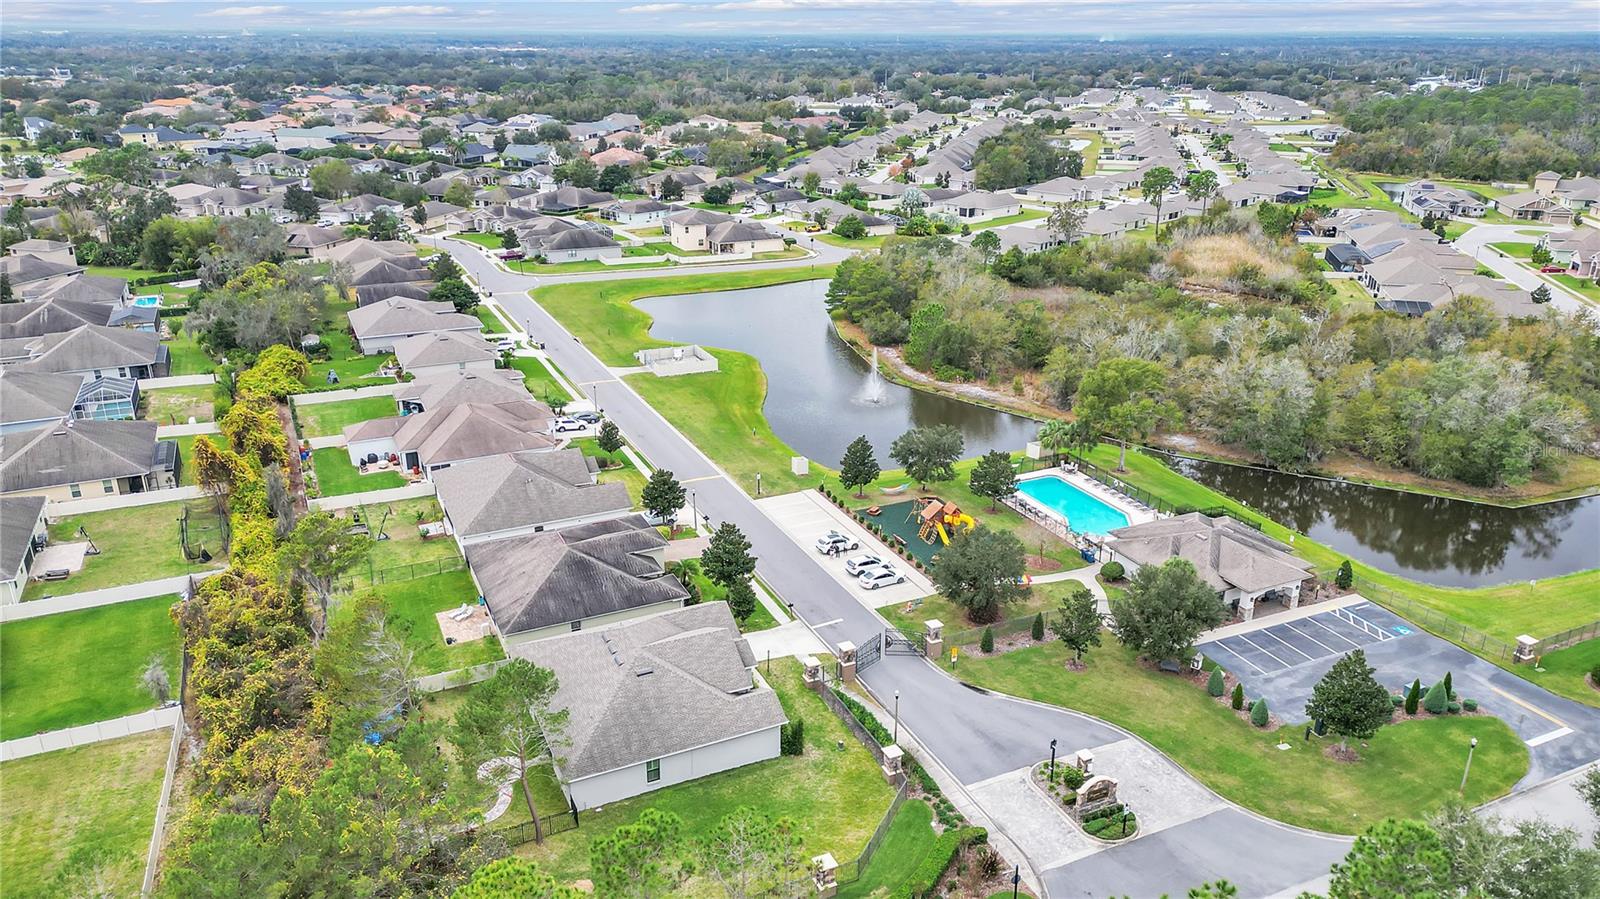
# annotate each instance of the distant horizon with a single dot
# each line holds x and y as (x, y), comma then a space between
(884, 20)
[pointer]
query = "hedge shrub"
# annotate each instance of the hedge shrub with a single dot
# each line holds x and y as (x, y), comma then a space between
(1594, 673)
(1437, 700)
(987, 642)
(1470, 705)
(1453, 708)
(1258, 713)
(926, 877)
(1112, 571)
(792, 737)
(865, 718)
(1414, 696)
(1215, 685)
(1397, 700)
(1238, 697)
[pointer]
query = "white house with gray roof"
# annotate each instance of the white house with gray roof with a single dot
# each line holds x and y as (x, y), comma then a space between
(656, 702)
(22, 530)
(444, 352)
(379, 326)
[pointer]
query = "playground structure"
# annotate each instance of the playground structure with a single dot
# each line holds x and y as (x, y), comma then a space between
(934, 515)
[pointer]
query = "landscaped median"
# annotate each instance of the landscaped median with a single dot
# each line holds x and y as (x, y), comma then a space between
(1407, 770)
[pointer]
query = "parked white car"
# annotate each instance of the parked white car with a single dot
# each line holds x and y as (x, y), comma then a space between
(835, 542)
(563, 425)
(881, 577)
(859, 565)
(505, 343)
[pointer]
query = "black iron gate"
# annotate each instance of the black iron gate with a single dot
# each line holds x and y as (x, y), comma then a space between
(899, 642)
(869, 652)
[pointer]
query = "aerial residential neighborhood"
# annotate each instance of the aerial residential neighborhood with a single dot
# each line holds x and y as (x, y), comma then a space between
(803, 449)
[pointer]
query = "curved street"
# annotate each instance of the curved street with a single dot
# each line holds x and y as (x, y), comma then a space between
(979, 738)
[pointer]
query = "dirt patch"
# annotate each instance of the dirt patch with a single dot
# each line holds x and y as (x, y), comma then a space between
(1042, 563)
(1341, 755)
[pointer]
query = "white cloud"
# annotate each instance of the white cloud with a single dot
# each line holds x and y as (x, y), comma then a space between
(406, 10)
(654, 8)
(247, 12)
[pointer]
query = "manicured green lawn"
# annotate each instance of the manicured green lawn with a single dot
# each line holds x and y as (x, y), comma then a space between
(186, 457)
(324, 419)
(721, 413)
(403, 555)
(111, 271)
(529, 267)
(1044, 598)
(344, 359)
(909, 840)
(835, 797)
(1588, 289)
(536, 377)
(1549, 606)
(184, 355)
(137, 544)
(337, 477)
(627, 475)
(413, 605)
(77, 822)
(602, 315)
(1407, 770)
(80, 667)
(489, 241)
(1515, 250)
(491, 322)
(176, 405)
(1033, 537)
(1564, 671)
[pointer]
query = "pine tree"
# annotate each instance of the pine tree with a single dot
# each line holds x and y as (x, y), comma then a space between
(1413, 696)
(1345, 577)
(1038, 627)
(1349, 701)
(1216, 685)
(727, 560)
(859, 467)
(1436, 701)
(1238, 697)
(993, 477)
(1449, 692)
(1258, 713)
(986, 643)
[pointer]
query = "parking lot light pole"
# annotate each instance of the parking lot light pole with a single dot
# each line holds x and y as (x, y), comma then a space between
(896, 738)
(1052, 761)
(1468, 770)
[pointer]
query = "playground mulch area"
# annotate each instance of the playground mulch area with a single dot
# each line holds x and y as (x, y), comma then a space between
(900, 520)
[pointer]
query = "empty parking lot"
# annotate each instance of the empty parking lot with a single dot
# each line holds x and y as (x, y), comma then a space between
(1279, 647)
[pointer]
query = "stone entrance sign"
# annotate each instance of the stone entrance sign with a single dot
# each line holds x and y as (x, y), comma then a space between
(1096, 793)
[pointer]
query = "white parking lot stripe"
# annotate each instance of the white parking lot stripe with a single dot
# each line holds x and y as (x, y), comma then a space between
(1311, 638)
(1240, 655)
(1545, 738)
(1297, 649)
(1269, 655)
(1333, 632)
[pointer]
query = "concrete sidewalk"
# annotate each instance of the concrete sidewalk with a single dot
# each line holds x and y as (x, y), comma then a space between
(89, 599)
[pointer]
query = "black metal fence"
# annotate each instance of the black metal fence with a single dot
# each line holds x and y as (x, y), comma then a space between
(409, 571)
(518, 834)
(1436, 622)
(1005, 627)
(850, 871)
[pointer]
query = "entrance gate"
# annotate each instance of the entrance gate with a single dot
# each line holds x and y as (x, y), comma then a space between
(898, 642)
(869, 652)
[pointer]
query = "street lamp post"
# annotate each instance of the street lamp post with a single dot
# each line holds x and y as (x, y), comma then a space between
(1052, 760)
(1468, 770)
(695, 507)
(1016, 878)
(896, 739)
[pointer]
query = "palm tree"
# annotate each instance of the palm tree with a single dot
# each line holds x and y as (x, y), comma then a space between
(1056, 434)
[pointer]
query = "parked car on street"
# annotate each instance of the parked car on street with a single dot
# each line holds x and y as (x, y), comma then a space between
(858, 565)
(505, 343)
(592, 418)
(881, 577)
(834, 542)
(1553, 269)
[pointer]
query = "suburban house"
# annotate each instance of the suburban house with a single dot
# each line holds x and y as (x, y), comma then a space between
(445, 352)
(1577, 249)
(379, 326)
(74, 459)
(1345, 257)
(978, 206)
(526, 493)
(36, 400)
(448, 435)
(658, 701)
(89, 351)
(22, 532)
(1423, 198)
(703, 229)
(57, 251)
(1244, 565)
(638, 212)
(1578, 194)
(1026, 239)
(575, 245)
(581, 577)
(442, 391)
(360, 208)
(1532, 206)
(312, 241)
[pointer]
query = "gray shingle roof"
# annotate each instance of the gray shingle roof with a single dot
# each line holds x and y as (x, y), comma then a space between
(525, 490)
(18, 515)
(1225, 552)
(92, 346)
(402, 316)
(455, 388)
(653, 687)
(443, 348)
(554, 577)
(84, 451)
(37, 396)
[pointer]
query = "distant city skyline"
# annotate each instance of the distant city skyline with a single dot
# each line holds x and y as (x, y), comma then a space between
(1106, 19)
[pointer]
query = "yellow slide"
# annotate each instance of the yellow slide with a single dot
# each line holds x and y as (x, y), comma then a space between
(966, 521)
(943, 537)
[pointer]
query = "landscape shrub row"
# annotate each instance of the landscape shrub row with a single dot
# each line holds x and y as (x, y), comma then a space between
(925, 879)
(873, 528)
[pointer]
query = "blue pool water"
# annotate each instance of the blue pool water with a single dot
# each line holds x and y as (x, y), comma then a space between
(147, 301)
(1084, 513)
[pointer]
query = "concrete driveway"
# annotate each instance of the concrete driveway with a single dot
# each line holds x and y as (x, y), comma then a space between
(806, 515)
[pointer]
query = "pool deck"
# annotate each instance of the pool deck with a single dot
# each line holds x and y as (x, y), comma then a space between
(1136, 512)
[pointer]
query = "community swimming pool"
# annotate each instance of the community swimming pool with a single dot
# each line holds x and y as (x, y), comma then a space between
(1085, 514)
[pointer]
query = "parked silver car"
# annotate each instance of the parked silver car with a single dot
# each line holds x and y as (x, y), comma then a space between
(859, 565)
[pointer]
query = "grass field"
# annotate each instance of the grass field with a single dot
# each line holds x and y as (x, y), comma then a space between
(1564, 671)
(137, 544)
(602, 314)
(337, 477)
(413, 605)
(1026, 215)
(1514, 250)
(1405, 771)
(80, 667)
(404, 544)
(176, 405)
(1044, 598)
(1505, 611)
(837, 797)
(344, 358)
(324, 419)
(628, 476)
(908, 842)
(488, 241)
(536, 377)
(491, 322)
(1587, 289)
(184, 355)
(77, 822)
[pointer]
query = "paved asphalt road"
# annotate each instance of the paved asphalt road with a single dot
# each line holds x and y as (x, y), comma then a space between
(973, 734)
(1475, 243)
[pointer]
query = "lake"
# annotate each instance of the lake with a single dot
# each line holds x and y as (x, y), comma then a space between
(1451, 543)
(815, 382)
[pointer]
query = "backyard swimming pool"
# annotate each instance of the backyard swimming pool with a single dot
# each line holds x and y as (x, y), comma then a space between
(1085, 514)
(147, 301)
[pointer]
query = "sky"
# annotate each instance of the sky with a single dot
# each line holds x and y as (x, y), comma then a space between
(1115, 19)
